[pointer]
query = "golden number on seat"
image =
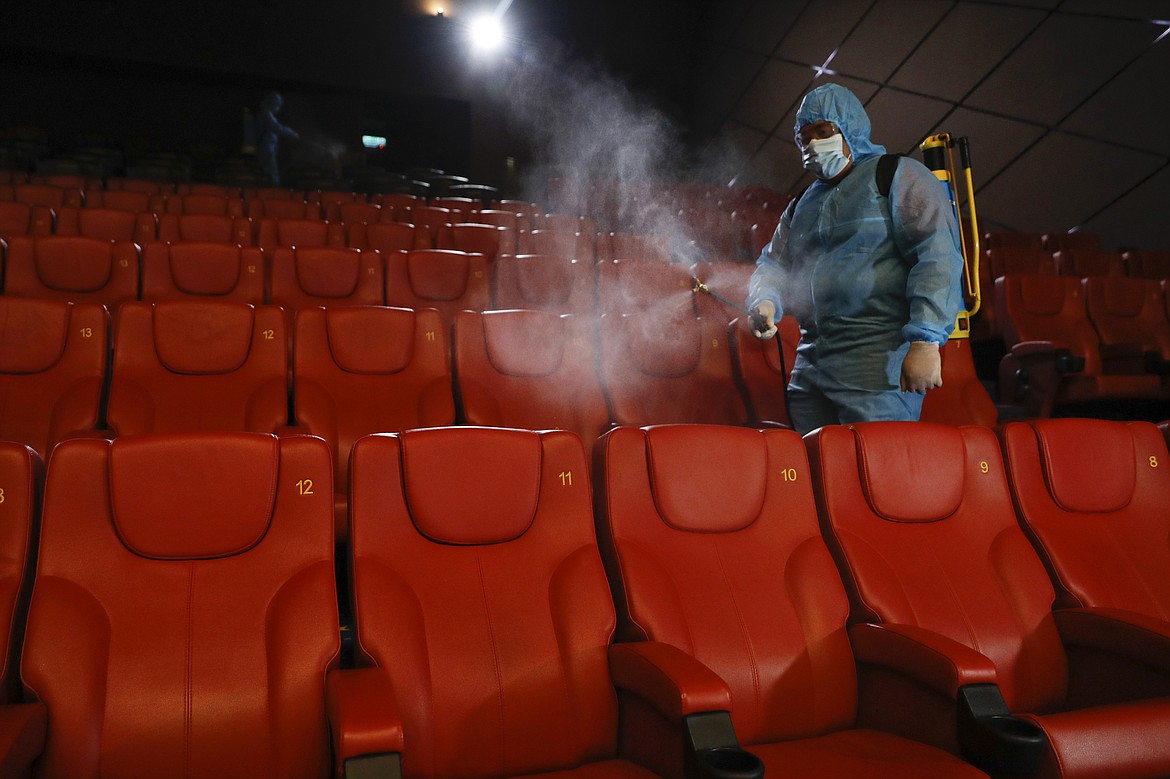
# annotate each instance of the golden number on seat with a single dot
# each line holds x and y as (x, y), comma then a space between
(430, 336)
(87, 332)
(1, 494)
(369, 271)
(305, 486)
(251, 269)
(124, 263)
(1153, 461)
(789, 474)
(566, 478)
(984, 467)
(269, 335)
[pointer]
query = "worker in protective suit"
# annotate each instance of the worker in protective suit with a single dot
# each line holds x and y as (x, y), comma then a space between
(872, 280)
(269, 131)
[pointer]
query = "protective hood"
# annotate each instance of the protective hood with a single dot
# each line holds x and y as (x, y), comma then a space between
(834, 103)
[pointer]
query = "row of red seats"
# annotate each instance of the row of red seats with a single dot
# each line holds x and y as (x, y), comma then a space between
(1072, 340)
(355, 370)
(720, 602)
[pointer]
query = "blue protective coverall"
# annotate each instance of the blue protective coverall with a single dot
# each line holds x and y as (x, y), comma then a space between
(864, 275)
(269, 131)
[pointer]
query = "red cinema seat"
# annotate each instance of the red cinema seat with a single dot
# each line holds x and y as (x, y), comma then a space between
(223, 544)
(368, 369)
(443, 279)
(198, 271)
(481, 606)
(1099, 521)
(432, 224)
(400, 204)
(460, 207)
(560, 285)
(52, 369)
(75, 268)
(325, 276)
(145, 186)
(108, 223)
(1147, 264)
(300, 233)
(1077, 241)
(720, 288)
(204, 188)
(1129, 315)
(120, 200)
(1089, 262)
(530, 369)
(23, 219)
(183, 366)
(219, 205)
(659, 369)
(512, 224)
(962, 399)
(710, 538)
(631, 246)
(1018, 260)
(350, 214)
(384, 236)
(562, 243)
(761, 369)
(634, 286)
(22, 477)
(996, 239)
(48, 196)
(280, 208)
(487, 240)
(944, 584)
(206, 228)
(1054, 355)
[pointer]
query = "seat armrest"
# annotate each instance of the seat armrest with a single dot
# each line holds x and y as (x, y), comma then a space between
(363, 714)
(673, 682)
(1033, 349)
(1117, 631)
(941, 663)
(23, 727)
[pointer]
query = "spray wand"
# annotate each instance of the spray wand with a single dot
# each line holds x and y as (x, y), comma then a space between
(757, 320)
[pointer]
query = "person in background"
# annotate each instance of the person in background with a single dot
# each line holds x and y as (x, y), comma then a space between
(872, 280)
(269, 131)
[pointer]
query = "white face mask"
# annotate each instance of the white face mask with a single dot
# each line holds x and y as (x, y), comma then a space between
(825, 157)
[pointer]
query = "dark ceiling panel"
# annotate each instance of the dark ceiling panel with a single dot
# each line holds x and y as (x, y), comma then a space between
(1125, 111)
(1060, 65)
(722, 77)
(766, 24)
(891, 31)
(968, 45)
(900, 120)
(994, 141)
(1137, 220)
(1132, 9)
(720, 23)
(1062, 181)
(821, 29)
(773, 94)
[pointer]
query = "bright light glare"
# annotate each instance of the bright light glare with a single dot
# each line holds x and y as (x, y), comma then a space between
(487, 33)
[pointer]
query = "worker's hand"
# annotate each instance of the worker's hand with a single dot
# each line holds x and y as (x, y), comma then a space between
(922, 368)
(763, 319)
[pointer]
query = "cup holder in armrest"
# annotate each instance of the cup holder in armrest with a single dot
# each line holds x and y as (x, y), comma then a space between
(729, 763)
(992, 738)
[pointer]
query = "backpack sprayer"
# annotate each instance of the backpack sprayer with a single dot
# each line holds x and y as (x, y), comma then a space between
(938, 154)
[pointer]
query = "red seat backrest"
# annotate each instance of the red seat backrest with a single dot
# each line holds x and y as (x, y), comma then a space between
(75, 268)
(659, 369)
(1128, 310)
(183, 366)
(479, 590)
(1099, 521)
(711, 541)
(206, 227)
(223, 544)
(305, 277)
(920, 520)
(443, 279)
(553, 283)
(199, 270)
(369, 369)
(21, 484)
(758, 369)
(530, 369)
(52, 369)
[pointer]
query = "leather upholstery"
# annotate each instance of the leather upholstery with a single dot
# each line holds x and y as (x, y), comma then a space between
(530, 369)
(201, 270)
(560, 285)
(758, 370)
(325, 276)
(632, 286)
(215, 228)
(74, 268)
(176, 665)
(187, 366)
(497, 651)
(711, 541)
(22, 481)
(365, 369)
(443, 279)
(1093, 496)
(972, 577)
(52, 368)
(660, 368)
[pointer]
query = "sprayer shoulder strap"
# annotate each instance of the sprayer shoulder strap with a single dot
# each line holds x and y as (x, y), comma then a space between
(884, 176)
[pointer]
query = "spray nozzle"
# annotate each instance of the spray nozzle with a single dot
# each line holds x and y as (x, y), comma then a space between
(699, 286)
